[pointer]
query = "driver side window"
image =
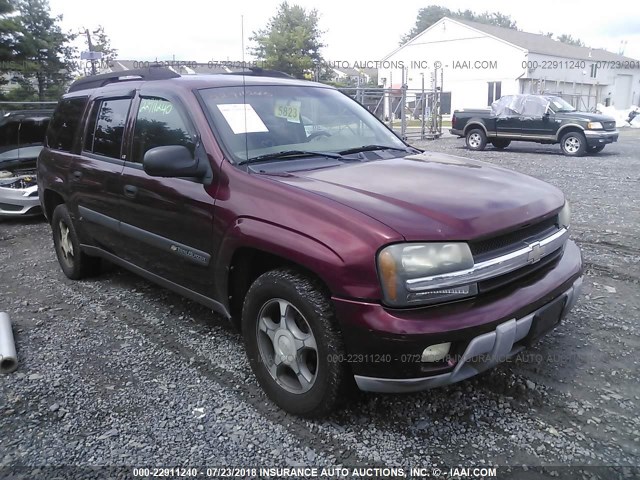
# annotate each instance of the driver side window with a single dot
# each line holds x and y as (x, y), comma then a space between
(159, 123)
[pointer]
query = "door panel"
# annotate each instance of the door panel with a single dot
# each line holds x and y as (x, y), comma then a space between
(167, 222)
(95, 175)
(510, 126)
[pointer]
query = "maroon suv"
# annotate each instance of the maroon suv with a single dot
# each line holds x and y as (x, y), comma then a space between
(340, 251)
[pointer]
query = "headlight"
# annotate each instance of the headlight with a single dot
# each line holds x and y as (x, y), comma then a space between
(405, 261)
(594, 126)
(564, 216)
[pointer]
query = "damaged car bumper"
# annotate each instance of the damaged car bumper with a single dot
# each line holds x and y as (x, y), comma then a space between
(19, 196)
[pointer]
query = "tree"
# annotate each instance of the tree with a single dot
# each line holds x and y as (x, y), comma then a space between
(569, 40)
(290, 42)
(45, 49)
(429, 15)
(8, 31)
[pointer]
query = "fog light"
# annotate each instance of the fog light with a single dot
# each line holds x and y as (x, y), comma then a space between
(435, 353)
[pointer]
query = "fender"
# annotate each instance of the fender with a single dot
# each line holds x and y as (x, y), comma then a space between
(564, 127)
(475, 123)
(275, 239)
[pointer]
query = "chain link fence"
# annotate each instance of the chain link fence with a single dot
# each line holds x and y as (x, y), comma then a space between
(412, 113)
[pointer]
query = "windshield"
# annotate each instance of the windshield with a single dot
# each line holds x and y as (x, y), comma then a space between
(268, 119)
(559, 105)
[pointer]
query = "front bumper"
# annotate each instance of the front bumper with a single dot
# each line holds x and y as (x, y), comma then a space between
(596, 138)
(18, 202)
(385, 345)
(491, 348)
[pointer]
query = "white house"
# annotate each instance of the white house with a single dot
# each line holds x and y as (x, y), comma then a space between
(479, 63)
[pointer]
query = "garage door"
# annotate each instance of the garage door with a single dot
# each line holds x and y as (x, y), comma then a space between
(622, 94)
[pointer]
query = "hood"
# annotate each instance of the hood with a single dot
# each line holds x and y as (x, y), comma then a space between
(433, 196)
(586, 116)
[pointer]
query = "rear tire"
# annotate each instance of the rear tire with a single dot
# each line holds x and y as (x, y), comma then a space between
(500, 144)
(596, 149)
(476, 139)
(74, 262)
(294, 346)
(573, 144)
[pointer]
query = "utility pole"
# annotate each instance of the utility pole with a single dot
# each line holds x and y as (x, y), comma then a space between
(93, 65)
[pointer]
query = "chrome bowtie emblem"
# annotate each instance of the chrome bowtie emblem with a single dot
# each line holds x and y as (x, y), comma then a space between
(536, 253)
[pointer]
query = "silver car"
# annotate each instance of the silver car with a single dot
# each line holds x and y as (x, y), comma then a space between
(21, 139)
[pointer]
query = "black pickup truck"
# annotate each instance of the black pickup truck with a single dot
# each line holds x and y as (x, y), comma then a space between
(535, 118)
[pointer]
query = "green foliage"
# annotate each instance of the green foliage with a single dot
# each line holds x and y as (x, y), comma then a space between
(40, 54)
(569, 40)
(290, 42)
(8, 31)
(429, 15)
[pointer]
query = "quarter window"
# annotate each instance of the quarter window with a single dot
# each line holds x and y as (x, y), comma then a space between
(158, 124)
(106, 127)
(64, 124)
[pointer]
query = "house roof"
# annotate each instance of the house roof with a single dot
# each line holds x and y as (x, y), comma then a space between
(356, 72)
(537, 43)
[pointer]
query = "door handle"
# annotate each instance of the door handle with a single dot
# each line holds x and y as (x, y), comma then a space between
(77, 175)
(130, 191)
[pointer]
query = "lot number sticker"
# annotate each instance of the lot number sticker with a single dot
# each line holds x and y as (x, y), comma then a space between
(289, 110)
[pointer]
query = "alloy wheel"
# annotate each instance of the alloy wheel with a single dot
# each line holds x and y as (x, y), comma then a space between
(287, 346)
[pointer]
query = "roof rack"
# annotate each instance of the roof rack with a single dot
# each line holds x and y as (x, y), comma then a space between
(96, 81)
(260, 72)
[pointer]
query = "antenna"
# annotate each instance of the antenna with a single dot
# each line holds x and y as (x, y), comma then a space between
(244, 90)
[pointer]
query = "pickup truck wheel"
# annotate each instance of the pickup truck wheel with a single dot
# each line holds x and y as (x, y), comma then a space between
(74, 262)
(476, 139)
(573, 144)
(294, 347)
(500, 143)
(596, 149)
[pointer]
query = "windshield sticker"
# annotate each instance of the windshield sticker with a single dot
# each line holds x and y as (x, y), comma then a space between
(242, 118)
(289, 110)
(161, 107)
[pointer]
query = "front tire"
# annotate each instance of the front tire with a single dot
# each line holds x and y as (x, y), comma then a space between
(500, 143)
(476, 139)
(74, 262)
(294, 346)
(573, 144)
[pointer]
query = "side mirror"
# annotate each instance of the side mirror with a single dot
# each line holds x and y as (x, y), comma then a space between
(172, 161)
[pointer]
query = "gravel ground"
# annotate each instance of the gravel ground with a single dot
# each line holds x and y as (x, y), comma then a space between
(118, 371)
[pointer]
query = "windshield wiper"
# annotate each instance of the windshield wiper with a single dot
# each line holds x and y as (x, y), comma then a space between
(371, 148)
(288, 154)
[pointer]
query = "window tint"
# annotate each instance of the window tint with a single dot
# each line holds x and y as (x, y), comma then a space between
(32, 131)
(158, 124)
(106, 127)
(9, 135)
(65, 123)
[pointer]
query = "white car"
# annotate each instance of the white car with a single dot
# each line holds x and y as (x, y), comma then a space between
(21, 138)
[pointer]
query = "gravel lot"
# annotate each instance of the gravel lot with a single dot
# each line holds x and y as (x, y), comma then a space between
(117, 371)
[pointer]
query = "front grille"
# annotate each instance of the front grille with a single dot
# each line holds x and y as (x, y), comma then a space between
(549, 261)
(609, 125)
(514, 240)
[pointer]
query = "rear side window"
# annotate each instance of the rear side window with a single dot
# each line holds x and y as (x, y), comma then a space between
(158, 124)
(64, 124)
(9, 135)
(106, 127)
(32, 131)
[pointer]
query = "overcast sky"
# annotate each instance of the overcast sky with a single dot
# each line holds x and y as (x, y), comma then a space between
(354, 30)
